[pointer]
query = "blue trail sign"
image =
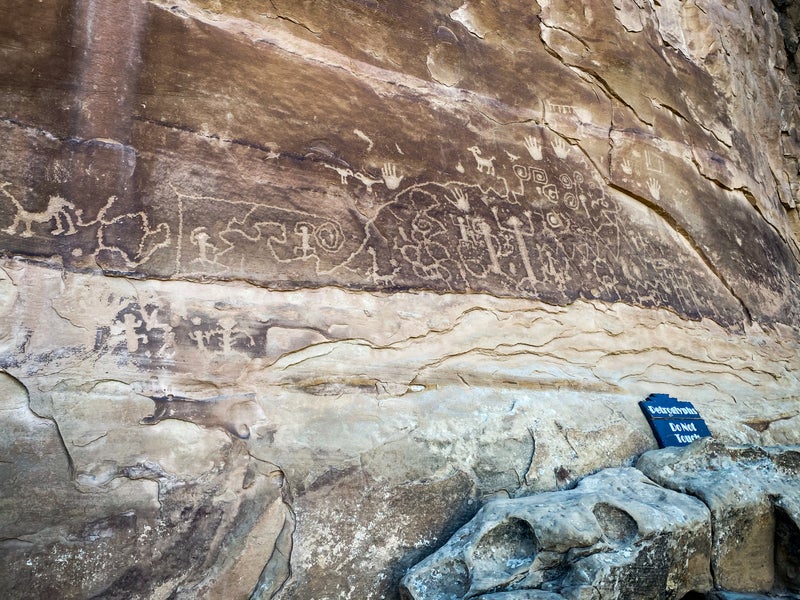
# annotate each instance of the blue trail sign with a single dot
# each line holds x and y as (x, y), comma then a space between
(674, 423)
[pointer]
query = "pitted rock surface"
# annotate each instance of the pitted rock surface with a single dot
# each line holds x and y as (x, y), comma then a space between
(617, 535)
(724, 527)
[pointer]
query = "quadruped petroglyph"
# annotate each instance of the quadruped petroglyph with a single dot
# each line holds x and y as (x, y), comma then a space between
(521, 219)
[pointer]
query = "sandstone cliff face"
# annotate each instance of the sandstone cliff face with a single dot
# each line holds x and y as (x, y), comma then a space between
(290, 288)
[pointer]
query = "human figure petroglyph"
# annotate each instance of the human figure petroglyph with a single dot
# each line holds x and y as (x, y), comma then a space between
(58, 211)
(207, 251)
(481, 162)
(200, 337)
(390, 177)
(129, 326)
(534, 147)
(228, 330)
(305, 250)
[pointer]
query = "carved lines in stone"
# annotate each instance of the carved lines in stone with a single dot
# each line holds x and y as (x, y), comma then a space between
(65, 219)
(286, 234)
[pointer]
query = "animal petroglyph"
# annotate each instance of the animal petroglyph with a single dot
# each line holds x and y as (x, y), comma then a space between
(343, 172)
(482, 163)
(533, 227)
(58, 211)
(367, 180)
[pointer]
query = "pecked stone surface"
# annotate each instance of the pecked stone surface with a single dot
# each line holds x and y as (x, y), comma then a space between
(289, 290)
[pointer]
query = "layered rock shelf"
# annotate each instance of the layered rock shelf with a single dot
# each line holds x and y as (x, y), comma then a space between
(289, 291)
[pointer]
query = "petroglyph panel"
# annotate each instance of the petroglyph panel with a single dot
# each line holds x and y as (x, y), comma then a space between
(533, 223)
(297, 157)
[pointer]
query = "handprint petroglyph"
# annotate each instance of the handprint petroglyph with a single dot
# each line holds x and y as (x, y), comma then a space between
(560, 147)
(534, 147)
(626, 166)
(460, 199)
(390, 177)
(654, 187)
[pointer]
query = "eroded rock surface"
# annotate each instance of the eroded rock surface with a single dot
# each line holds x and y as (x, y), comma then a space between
(730, 512)
(288, 290)
(617, 535)
(754, 498)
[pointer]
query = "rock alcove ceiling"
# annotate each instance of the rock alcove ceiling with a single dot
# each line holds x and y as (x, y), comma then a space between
(291, 289)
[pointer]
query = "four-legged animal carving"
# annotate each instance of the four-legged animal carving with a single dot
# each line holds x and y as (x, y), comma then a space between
(482, 162)
(56, 211)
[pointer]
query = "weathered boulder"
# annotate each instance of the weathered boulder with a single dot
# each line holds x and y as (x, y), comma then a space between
(754, 497)
(617, 535)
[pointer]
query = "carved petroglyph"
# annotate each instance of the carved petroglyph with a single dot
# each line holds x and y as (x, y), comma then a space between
(208, 251)
(653, 162)
(563, 109)
(142, 240)
(251, 231)
(550, 231)
(654, 187)
(367, 180)
(534, 147)
(58, 211)
(482, 163)
(390, 177)
(626, 166)
(560, 147)
(112, 229)
(534, 227)
(343, 172)
(363, 136)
